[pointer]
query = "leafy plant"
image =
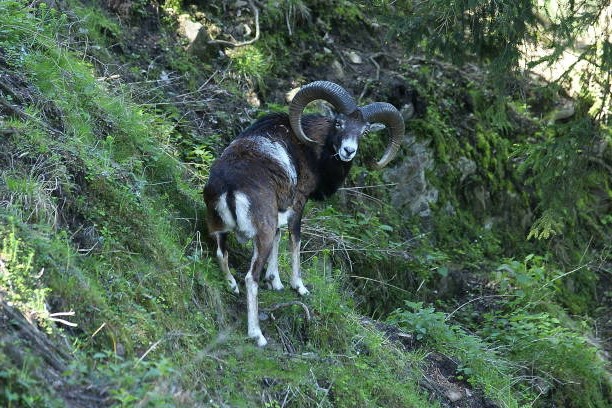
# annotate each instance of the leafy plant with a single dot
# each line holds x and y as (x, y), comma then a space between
(251, 63)
(478, 361)
(541, 338)
(201, 158)
(557, 360)
(19, 388)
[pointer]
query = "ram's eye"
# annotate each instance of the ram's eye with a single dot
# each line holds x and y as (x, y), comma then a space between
(339, 124)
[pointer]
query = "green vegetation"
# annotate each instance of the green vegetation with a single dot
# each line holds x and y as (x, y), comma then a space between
(20, 280)
(108, 129)
(529, 348)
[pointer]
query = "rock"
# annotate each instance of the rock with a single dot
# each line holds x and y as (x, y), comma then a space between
(164, 77)
(253, 99)
(354, 58)
(327, 38)
(189, 28)
(338, 70)
(243, 30)
(466, 166)
(120, 349)
(565, 109)
(197, 35)
(407, 111)
(453, 395)
(412, 190)
(449, 209)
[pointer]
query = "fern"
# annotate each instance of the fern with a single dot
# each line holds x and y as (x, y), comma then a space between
(545, 227)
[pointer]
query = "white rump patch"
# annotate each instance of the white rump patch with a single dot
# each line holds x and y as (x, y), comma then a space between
(277, 152)
(225, 213)
(243, 215)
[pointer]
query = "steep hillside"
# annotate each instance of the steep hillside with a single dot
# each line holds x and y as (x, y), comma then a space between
(474, 272)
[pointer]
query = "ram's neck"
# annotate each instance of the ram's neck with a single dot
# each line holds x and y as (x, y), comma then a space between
(330, 175)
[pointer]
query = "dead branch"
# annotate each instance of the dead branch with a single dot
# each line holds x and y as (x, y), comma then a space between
(376, 64)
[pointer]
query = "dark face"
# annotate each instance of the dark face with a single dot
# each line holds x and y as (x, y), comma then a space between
(347, 132)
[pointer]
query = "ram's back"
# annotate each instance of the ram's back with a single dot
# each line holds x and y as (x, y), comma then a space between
(257, 168)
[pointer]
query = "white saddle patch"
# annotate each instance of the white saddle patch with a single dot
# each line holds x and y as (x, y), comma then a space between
(278, 153)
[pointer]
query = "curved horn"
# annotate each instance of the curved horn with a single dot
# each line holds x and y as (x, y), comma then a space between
(325, 90)
(387, 114)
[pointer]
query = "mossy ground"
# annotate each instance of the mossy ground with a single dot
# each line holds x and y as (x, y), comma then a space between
(100, 215)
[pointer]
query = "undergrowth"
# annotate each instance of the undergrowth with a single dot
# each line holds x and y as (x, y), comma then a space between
(535, 348)
(20, 283)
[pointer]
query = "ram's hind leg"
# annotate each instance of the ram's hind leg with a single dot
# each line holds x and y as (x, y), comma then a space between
(272, 277)
(222, 258)
(296, 232)
(262, 246)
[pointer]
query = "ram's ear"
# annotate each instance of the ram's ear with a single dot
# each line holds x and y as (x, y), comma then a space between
(376, 127)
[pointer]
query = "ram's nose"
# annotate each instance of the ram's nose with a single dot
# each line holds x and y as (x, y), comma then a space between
(347, 153)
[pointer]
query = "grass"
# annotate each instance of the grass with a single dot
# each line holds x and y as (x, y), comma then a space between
(19, 281)
(94, 193)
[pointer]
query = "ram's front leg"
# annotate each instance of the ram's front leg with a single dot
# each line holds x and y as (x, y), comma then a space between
(295, 230)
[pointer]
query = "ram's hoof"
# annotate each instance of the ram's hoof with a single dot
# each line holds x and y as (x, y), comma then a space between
(301, 289)
(233, 287)
(259, 339)
(276, 286)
